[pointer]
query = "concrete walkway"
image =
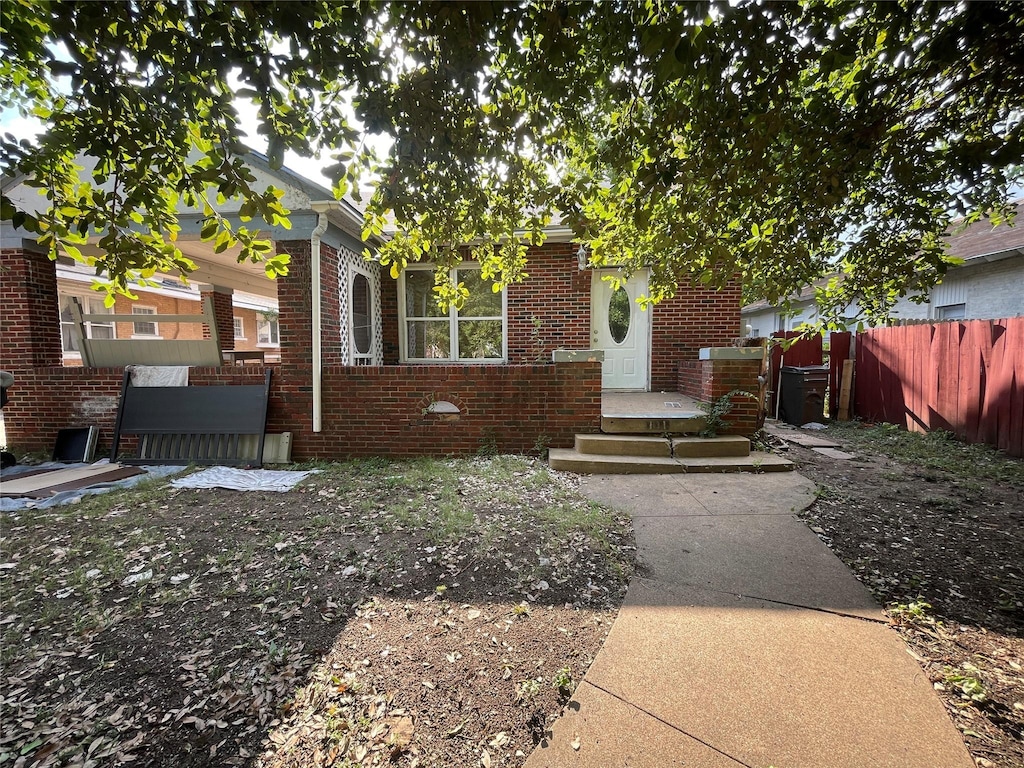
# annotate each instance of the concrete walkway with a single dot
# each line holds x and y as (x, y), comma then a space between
(745, 642)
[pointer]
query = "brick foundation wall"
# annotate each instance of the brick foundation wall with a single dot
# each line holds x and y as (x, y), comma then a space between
(368, 411)
(708, 380)
(29, 322)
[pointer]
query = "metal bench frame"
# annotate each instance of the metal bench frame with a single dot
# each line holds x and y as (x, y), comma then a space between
(192, 425)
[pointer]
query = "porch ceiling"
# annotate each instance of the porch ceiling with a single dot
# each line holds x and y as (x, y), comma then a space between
(221, 269)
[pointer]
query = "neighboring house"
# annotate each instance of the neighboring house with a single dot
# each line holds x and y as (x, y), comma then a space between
(368, 364)
(988, 285)
(254, 318)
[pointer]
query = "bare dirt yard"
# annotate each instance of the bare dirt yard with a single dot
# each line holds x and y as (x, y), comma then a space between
(935, 528)
(431, 612)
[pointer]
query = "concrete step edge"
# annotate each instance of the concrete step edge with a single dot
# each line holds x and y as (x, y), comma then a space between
(623, 445)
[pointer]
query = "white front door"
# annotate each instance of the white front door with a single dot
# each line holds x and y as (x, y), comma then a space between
(620, 329)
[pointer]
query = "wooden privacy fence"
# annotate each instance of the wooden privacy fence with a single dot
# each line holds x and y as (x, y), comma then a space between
(965, 377)
(809, 351)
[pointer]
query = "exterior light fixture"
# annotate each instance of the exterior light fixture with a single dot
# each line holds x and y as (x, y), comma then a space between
(581, 257)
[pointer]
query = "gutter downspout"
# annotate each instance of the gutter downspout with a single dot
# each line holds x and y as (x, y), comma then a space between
(323, 208)
(314, 282)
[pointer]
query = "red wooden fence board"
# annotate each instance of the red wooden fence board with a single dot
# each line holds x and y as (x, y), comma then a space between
(838, 353)
(971, 380)
(967, 377)
(800, 353)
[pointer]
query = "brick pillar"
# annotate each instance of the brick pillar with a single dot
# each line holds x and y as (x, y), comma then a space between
(223, 311)
(332, 324)
(294, 304)
(30, 318)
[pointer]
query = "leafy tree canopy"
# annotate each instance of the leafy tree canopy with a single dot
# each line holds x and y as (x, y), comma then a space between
(780, 141)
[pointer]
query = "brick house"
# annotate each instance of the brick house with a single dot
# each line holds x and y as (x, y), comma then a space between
(368, 364)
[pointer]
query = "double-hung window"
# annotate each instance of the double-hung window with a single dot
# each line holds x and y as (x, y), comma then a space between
(473, 333)
(93, 330)
(267, 334)
(144, 329)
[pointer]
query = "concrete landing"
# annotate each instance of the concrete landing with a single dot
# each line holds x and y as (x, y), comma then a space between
(745, 643)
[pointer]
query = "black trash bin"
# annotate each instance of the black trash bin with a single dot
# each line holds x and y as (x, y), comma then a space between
(802, 394)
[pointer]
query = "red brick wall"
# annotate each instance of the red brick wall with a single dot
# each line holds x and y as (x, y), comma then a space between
(389, 317)
(330, 308)
(367, 410)
(558, 295)
(29, 320)
(295, 305)
(692, 319)
(708, 380)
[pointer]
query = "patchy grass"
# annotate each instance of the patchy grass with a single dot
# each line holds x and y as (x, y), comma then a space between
(381, 613)
(936, 451)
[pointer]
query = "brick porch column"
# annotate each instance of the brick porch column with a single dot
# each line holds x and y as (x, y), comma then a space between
(223, 311)
(294, 305)
(30, 318)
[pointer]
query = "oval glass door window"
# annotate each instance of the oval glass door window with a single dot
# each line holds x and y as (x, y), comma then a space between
(619, 314)
(361, 314)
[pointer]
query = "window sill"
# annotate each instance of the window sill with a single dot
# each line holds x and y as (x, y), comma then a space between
(146, 336)
(435, 361)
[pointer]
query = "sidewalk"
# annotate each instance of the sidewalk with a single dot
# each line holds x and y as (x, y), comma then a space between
(745, 642)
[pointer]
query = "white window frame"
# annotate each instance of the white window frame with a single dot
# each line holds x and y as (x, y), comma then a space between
(91, 305)
(147, 310)
(274, 329)
(453, 328)
(957, 311)
(239, 327)
(355, 356)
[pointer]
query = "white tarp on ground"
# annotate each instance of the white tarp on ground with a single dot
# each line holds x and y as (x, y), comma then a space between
(243, 479)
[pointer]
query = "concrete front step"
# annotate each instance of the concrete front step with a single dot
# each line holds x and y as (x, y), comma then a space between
(648, 445)
(571, 460)
(684, 424)
(697, 447)
(624, 445)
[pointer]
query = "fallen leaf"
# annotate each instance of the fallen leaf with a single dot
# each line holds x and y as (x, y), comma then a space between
(401, 731)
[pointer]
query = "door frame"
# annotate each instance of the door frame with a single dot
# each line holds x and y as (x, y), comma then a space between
(598, 274)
